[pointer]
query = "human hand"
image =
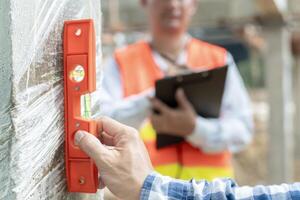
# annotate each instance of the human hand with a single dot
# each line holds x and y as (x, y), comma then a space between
(180, 121)
(120, 156)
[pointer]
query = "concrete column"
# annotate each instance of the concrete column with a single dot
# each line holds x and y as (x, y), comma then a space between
(279, 84)
(297, 104)
(114, 14)
(31, 96)
(5, 98)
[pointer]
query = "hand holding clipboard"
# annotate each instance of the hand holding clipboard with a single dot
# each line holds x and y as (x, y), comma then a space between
(204, 90)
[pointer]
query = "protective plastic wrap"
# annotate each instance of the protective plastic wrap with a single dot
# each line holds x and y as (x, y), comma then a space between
(31, 88)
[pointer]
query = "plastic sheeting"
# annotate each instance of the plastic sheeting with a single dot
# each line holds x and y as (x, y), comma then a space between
(31, 85)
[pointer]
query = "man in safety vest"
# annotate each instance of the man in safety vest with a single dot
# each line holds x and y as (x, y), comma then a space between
(128, 80)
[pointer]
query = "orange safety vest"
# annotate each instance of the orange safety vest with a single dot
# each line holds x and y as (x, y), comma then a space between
(138, 73)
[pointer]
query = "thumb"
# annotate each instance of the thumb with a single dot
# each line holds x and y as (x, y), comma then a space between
(181, 99)
(91, 145)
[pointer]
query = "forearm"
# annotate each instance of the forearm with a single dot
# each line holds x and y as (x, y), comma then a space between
(217, 135)
(109, 99)
(158, 187)
(161, 187)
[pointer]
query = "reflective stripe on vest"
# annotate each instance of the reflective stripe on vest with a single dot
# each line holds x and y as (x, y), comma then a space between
(139, 73)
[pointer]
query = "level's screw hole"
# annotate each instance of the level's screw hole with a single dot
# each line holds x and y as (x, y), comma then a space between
(81, 180)
(78, 32)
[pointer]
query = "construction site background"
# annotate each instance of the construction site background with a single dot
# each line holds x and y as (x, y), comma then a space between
(239, 26)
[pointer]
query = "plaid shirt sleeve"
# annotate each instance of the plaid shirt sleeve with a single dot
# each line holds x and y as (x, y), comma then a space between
(158, 187)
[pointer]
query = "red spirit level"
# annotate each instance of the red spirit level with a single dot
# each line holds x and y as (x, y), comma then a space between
(79, 79)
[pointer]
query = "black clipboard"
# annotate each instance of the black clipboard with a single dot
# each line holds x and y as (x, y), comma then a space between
(203, 89)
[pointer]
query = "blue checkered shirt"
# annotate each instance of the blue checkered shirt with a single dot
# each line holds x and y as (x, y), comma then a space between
(159, 187)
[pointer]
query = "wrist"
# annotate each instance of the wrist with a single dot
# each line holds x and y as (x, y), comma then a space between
(191, 126)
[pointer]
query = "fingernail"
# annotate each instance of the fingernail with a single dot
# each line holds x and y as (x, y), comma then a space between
(78, 136)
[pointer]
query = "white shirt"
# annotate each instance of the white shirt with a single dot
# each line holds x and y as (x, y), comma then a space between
(231, 131)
